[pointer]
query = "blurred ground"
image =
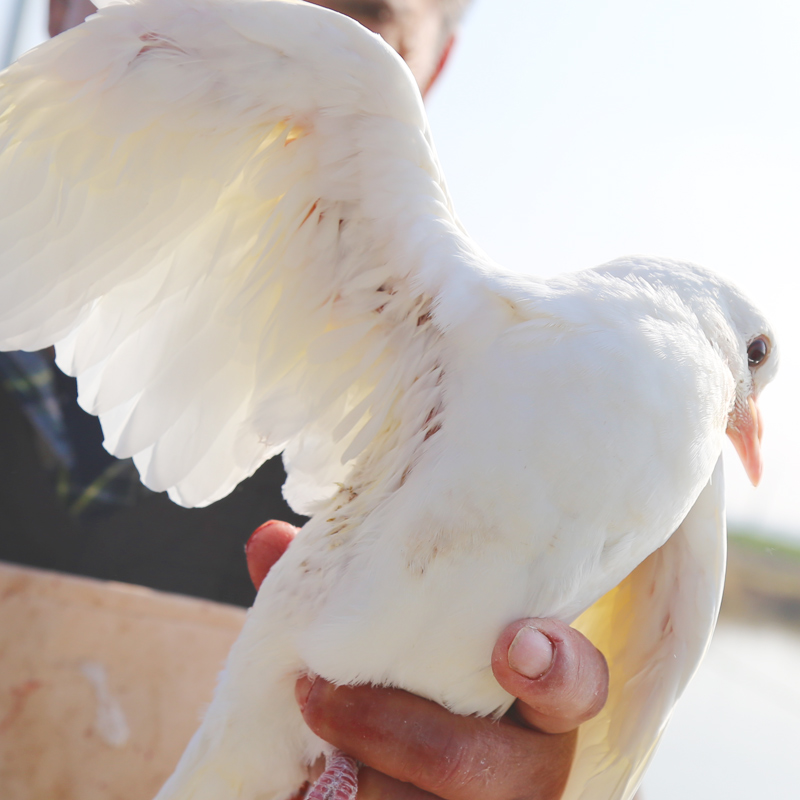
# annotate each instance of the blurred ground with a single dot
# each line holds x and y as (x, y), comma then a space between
(762, 583)
(736, 732)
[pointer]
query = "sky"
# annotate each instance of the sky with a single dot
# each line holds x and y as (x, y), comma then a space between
(574, 132)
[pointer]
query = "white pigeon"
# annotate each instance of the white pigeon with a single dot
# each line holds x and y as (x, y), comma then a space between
(230, 218)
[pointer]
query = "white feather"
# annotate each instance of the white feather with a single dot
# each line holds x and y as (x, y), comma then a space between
(654, 629)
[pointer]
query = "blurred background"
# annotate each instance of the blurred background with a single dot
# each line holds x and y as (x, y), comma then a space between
(575, 132)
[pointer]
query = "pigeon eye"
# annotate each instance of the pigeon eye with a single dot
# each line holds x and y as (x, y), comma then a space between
(757, 351)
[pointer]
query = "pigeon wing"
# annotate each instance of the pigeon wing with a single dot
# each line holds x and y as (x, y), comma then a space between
(654, 629)
(221, 213)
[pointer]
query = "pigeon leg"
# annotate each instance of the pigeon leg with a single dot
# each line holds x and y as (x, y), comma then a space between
(339, 781)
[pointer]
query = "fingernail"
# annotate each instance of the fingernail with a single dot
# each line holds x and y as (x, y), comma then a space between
(302, 689)
(531, 653)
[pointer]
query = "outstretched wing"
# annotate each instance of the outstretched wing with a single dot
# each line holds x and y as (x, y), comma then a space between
(230, 219)
(654, 629)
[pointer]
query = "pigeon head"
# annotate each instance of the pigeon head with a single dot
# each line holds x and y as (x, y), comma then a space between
(754, 363)
(734, 326)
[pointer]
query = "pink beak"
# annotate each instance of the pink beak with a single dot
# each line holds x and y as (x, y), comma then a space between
(745, 431)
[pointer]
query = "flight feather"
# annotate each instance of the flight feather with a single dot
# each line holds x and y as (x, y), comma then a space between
(240, 223)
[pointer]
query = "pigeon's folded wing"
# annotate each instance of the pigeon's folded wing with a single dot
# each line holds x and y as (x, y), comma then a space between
(654, 629)
(221, 214)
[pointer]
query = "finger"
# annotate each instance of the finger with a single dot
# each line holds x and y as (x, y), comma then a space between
(416, 741)
(265, 546)
(374, 785)
(559, 676)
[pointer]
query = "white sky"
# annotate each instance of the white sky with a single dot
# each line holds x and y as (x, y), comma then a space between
(576, 131)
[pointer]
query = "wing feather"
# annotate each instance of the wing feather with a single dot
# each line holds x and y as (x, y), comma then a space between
(223, 229)
(654, 629)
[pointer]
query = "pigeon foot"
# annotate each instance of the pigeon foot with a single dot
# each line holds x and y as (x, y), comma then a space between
(339, 781)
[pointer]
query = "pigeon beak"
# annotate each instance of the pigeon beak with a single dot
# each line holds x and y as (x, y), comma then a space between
(745, 431)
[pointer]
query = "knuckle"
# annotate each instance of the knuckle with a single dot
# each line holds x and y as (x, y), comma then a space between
(594, 705)
(452, 766)
(579, 688)
(490, 766)
(590, 689)
(466, 766)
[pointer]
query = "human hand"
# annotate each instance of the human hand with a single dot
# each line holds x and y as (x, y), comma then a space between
(414, 749)
(66, 14)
